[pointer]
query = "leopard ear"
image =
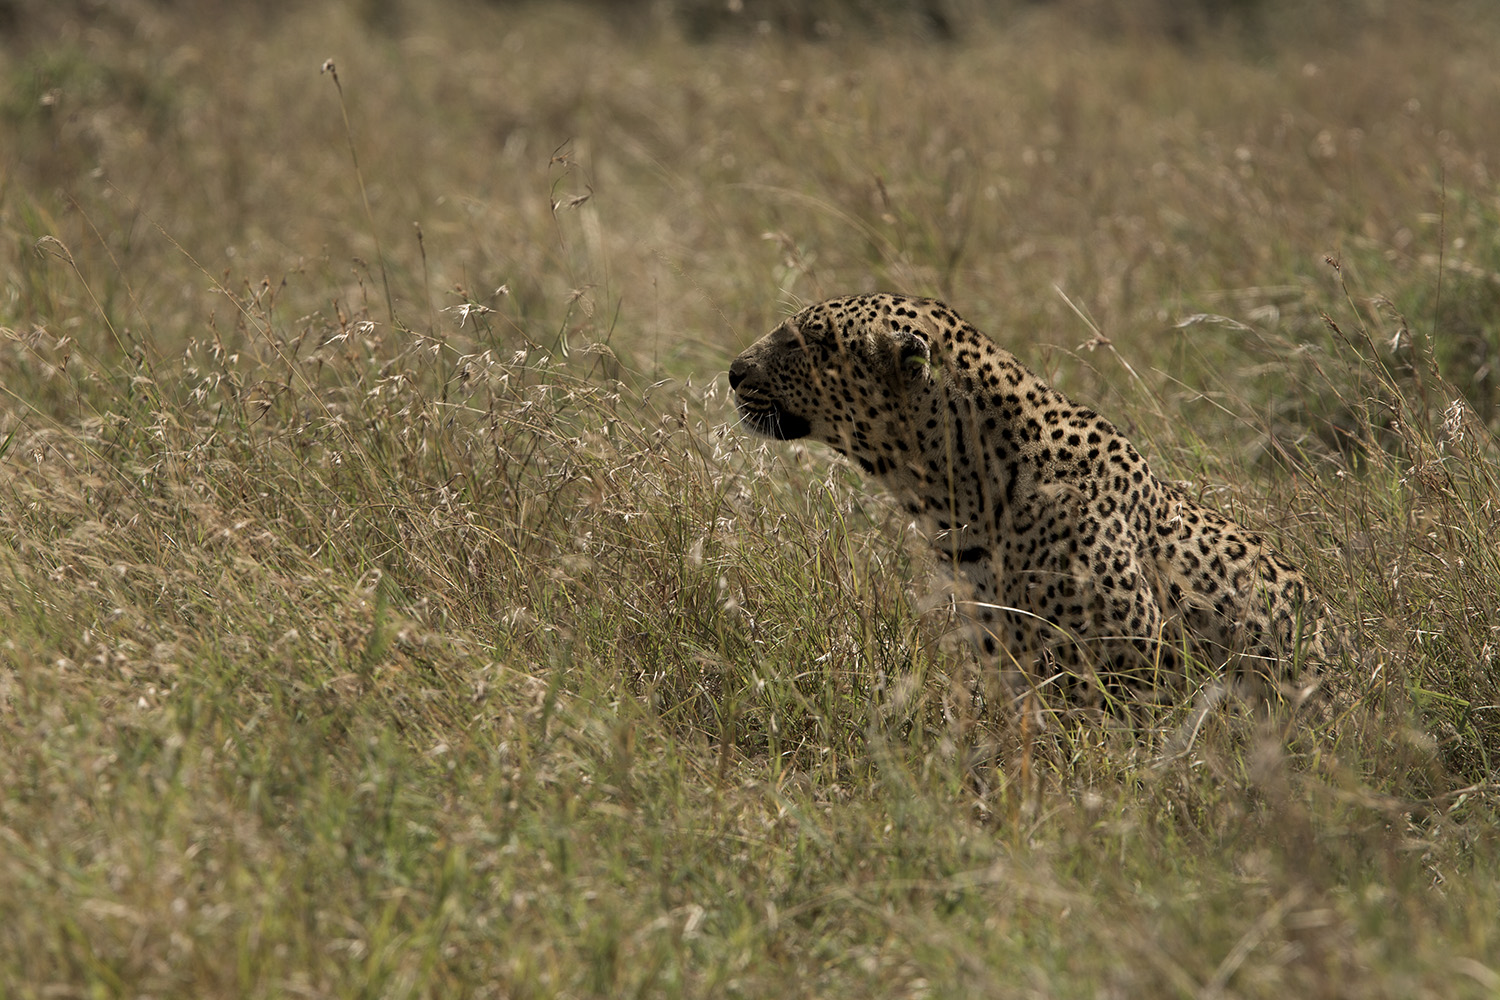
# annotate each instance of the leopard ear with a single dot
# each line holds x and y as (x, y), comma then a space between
(914, 350)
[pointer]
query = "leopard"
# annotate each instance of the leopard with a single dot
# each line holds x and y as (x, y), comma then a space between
(1090, 577)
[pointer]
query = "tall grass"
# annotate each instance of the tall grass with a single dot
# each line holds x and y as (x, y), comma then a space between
(460, 643)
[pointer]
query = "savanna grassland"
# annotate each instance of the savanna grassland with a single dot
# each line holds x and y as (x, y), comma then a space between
(390, 605)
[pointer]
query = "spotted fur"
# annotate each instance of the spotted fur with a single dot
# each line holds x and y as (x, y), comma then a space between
(1085, 568)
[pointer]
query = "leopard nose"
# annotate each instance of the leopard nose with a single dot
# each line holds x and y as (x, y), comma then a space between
(737, 373)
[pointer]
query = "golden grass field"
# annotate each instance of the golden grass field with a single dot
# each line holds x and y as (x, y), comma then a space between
(390, 604)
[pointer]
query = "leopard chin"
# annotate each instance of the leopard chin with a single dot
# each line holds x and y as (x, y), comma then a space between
(775, 423)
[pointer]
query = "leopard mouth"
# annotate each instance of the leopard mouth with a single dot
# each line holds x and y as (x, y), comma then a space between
(772, 421)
